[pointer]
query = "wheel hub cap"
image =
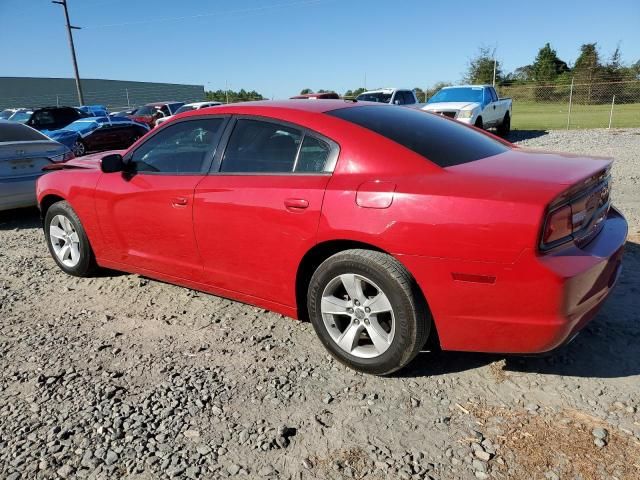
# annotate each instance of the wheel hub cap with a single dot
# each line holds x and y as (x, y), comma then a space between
(64, 241)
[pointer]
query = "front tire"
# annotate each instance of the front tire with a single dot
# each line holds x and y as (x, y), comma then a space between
(67, 241)
(368, 311)
(479, 123)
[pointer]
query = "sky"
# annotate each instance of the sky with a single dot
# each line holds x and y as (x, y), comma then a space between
(279, 47)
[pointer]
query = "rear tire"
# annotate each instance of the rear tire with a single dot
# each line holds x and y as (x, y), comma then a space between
(505, 126)
(479, 123)
(67, 241)
(368, 311)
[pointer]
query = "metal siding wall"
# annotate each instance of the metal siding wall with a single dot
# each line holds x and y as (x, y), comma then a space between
(38, 92)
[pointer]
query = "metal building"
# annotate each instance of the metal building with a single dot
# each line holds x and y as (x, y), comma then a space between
(33, 92)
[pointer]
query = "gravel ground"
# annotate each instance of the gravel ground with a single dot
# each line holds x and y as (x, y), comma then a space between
(123, 377)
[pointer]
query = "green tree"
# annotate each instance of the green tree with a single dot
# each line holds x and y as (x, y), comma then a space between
(547, 66)
(586, 71)
(354, 93)
(232, 96)
(480, 68)
(435, 88)
(306, 91)
(420, 94)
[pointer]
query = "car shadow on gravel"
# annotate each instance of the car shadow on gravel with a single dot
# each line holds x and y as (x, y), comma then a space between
(20, 218)
(519, 135)
(608, 347)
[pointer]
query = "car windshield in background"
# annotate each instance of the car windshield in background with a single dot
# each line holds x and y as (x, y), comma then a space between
(147, 110)
(374, 97)
(444, 142)
(473, 94)
(16, 132)
(185, 108)
(82, 126)
(21, 117)
(5, 114)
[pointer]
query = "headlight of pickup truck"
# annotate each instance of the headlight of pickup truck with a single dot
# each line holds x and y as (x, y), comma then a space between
(465, 114)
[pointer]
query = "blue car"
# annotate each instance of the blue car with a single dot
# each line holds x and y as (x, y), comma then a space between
(98, 134)
(94, 110)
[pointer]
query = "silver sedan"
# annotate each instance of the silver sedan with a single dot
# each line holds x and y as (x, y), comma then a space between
(23, 154)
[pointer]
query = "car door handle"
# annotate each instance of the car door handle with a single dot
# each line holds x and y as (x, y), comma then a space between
(179, 201)
(296, 203)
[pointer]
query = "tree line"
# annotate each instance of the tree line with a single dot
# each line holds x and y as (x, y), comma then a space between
(231, 96)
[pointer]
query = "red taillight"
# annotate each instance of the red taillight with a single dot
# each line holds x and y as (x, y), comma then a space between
(579, 219)
(558, 225)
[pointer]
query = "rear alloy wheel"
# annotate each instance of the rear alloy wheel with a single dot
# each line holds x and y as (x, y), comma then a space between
(367, 311)
(505, 126)
(78, 148)
(67, 241)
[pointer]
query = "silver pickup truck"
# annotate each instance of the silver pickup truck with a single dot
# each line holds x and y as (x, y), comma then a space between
(476, 105)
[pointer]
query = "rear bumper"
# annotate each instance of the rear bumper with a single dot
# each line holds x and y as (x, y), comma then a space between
(18, 192)
(531, 306)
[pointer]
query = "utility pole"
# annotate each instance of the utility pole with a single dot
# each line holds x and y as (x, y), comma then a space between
(73, 50)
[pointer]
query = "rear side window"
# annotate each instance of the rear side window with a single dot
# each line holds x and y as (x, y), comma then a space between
(444, 142)
(313, 156)
(16, 132)
(261, 147)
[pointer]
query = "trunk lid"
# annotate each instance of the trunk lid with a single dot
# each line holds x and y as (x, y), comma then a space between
(25, 159)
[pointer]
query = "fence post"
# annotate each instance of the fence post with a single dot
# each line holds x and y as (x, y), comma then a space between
(613, 100)
(128, 103)
(57, 100)
(570, 100)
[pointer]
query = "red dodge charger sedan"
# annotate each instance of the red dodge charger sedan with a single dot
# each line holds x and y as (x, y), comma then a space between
(382, 225)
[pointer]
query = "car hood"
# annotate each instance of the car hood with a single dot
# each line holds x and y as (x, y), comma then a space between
(91, 162)
(440, 106)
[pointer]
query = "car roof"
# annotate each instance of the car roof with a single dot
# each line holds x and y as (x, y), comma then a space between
(385, 90)
(467, 86)
(317, 106)
(159, 104)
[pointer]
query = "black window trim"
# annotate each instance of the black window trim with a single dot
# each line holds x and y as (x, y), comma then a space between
(334, 148)
(206, 165)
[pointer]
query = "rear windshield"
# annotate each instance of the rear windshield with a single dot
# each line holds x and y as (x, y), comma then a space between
(16, 132)
(444, 142)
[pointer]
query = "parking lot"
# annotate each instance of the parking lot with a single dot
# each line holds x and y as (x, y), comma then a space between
(124, 377)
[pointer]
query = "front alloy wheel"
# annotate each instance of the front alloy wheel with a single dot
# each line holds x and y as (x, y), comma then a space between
(65, 241)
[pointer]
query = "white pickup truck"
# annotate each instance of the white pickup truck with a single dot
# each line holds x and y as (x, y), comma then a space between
(395, 96)
(476, 105)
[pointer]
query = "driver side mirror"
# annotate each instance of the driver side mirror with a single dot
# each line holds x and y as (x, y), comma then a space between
(112, 163)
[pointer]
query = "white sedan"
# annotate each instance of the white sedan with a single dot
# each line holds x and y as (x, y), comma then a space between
(187, 108)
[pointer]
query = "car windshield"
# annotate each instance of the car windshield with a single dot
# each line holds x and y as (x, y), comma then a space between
(21, 117)
(462, 94)
(185, 108)
(82, 125)
(5, 114)
(444, 142)
(147, 110)
(379, 97)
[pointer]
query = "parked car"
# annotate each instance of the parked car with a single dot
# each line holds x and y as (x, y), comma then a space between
(477, 105)
(48, 118)
(94, 110)
(395, 96)
(124, 113)
(95, 134)
(317, 96)
(23, 153)
(8, 112)
(149, 113)
(383, 225)
(187, 108)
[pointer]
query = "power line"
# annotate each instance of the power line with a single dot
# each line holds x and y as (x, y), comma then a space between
(213, 14)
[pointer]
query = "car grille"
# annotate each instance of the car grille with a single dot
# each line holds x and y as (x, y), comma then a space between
(447, 114)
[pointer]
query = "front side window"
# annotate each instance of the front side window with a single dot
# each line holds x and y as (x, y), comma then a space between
(182, 148)
(261, 147)
(43, 119)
